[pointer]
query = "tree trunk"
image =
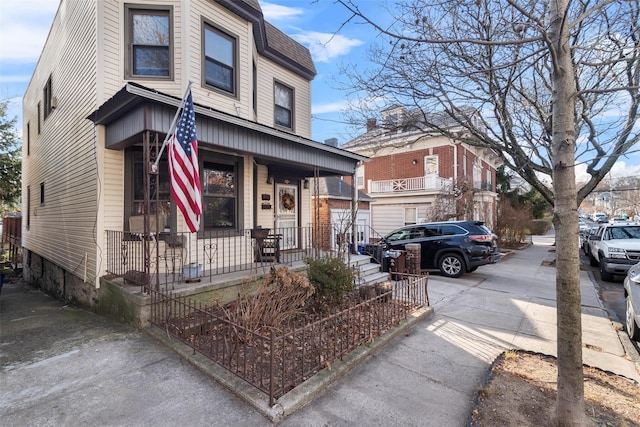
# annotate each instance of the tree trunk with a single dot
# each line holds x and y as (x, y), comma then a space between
(570, 399)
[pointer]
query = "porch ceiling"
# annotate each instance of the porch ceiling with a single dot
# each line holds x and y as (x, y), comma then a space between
(136, 109)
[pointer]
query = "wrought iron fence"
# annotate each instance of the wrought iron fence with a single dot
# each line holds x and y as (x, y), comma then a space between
(169, 258)
(276, 361)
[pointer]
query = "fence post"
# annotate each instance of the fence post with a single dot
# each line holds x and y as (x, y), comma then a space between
(271, 368)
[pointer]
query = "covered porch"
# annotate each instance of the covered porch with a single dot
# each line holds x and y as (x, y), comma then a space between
(255, 180)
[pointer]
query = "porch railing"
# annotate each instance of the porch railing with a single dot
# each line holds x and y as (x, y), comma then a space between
(423, 183)
(277, 361)
(169, 258)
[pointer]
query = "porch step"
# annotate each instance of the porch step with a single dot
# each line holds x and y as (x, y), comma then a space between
(374, 279)
(370, 273)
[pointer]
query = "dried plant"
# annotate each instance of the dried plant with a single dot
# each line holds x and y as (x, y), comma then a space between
(279, 298)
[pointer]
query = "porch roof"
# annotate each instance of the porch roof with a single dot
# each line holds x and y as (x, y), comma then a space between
(135, 109)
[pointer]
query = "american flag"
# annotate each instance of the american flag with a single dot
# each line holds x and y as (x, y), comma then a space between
(183, 167)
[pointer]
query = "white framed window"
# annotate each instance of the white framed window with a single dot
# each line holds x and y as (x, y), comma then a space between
(360, 177)
(431, 165)
(410, 216)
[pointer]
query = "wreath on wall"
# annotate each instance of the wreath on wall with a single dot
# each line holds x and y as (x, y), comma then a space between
(288, 201)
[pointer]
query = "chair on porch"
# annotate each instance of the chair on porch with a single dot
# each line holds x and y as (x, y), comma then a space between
(266, 247)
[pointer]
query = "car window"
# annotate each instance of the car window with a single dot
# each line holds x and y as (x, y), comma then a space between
(417, 233)
(624, 233)
(431, 231)
(399, 235)
(451, 230)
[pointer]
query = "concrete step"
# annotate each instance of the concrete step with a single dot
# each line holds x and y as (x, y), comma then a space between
(373, 279)
(357, 260)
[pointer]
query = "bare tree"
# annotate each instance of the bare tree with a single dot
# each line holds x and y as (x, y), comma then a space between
(547, 85)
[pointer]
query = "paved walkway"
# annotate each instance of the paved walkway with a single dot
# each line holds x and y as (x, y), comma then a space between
(63, 366)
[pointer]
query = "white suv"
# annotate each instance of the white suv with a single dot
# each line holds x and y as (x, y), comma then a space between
(632, 298)
(615, 248)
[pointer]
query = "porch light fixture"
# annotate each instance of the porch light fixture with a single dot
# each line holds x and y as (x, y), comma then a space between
(415, 162)
(305, 185)
(269, 179)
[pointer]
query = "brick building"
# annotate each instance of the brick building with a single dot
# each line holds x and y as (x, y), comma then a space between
(416, 174)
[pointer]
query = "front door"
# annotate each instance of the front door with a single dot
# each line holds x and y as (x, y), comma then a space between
(287, 214)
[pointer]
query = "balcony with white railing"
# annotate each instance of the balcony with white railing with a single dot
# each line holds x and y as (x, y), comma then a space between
(415, 184)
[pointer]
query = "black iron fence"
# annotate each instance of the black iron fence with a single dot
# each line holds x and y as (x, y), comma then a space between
(277, 360)
(167, 258)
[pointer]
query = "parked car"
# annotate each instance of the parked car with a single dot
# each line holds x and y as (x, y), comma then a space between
(584, 239)
(600, 218)
(614, 248)
(452, 247)
(632, 298)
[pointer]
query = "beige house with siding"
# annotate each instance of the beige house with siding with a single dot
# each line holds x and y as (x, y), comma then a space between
(98, 107)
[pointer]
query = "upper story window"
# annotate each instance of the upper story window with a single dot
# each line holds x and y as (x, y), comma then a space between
(360, 177)
(431, 165)
(219, 60)
(254, 99)
(283, 96)
(148, 35)
(47, 97)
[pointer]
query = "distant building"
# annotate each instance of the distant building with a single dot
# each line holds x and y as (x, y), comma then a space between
(415, 174)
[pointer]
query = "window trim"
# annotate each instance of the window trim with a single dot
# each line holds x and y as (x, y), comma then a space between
(28, 207)
(410, 209)
(47, 97)
(254, 82)
(130, 10)
(293, 105)
(209, 158)
(431, 160)
(209, 26)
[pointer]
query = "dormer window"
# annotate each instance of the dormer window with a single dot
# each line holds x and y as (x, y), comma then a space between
(283, 96)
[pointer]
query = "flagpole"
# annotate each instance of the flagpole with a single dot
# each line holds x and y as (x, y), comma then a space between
(154, 166)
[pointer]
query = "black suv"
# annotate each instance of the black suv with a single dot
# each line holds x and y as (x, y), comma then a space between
(453, 247)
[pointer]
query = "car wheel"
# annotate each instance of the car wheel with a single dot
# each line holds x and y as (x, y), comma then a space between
(452, 265)
(592, 261)
(604, 275)
(472, 269)
(632, 328)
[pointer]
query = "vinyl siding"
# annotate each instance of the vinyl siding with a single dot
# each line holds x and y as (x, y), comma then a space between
(233, 25)
(64, 156)
(268, 72)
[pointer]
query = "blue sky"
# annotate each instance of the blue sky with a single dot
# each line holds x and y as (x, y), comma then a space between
(24, 25)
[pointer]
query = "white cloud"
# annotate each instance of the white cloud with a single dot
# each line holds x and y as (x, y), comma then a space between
(331, 107)
(326, 46)
(277, 13)
(24, 26)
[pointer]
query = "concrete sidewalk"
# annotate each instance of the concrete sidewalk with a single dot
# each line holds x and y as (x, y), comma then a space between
(65, 366)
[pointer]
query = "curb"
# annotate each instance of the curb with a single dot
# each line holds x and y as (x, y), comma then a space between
(300, 395)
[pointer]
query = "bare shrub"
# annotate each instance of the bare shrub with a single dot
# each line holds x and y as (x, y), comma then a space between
(280, 297)
(513, 222)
